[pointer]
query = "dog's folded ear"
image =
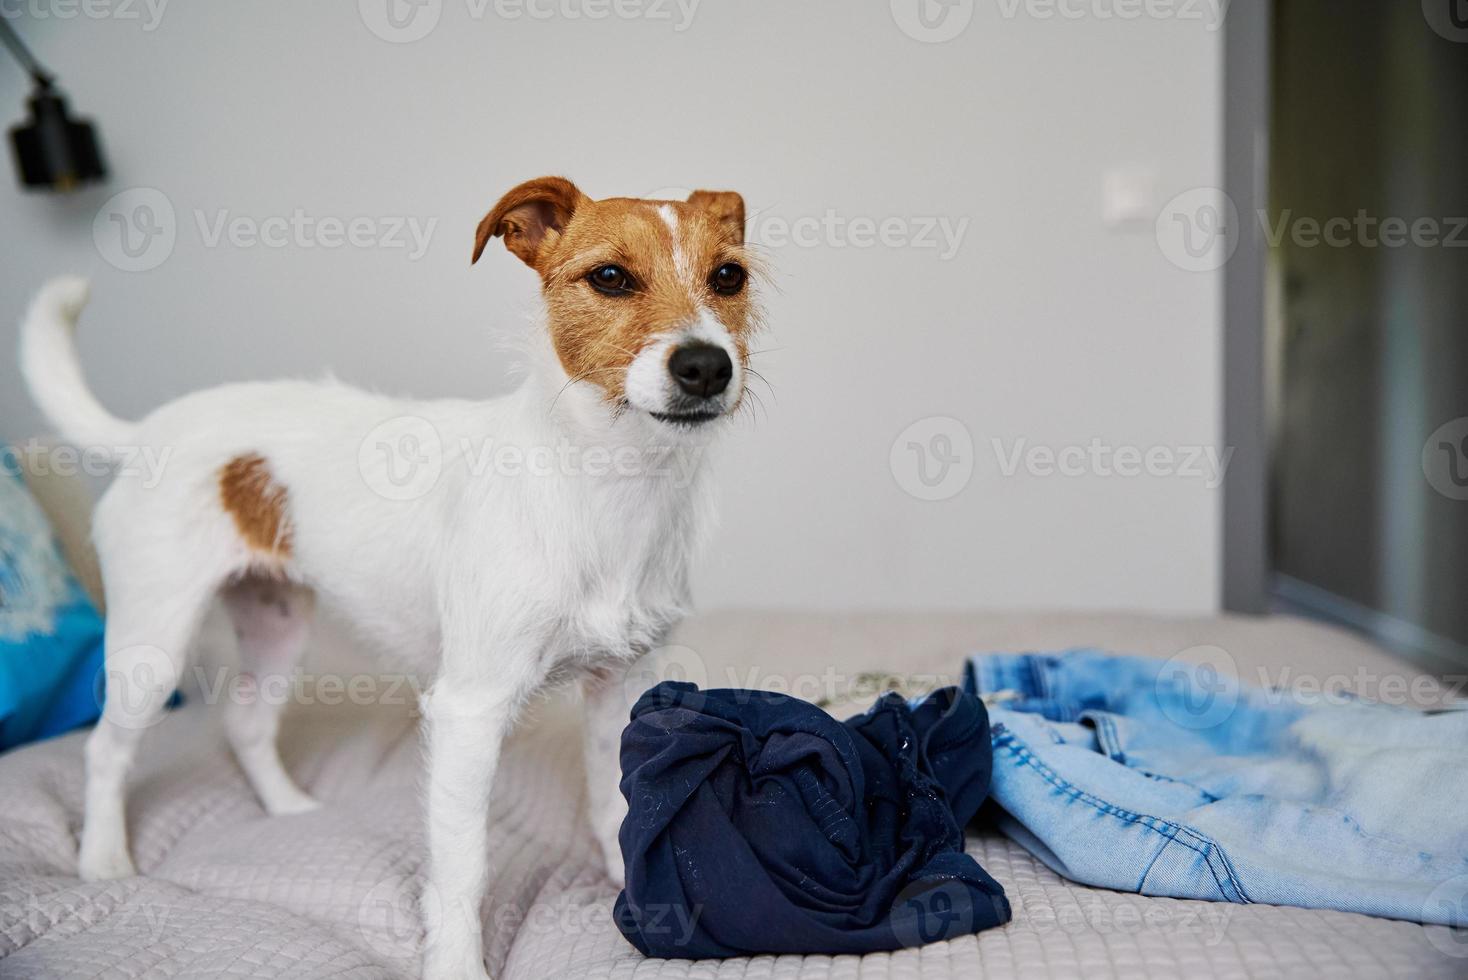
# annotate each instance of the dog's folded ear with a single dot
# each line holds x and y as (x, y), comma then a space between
(726, 207)
(530, 217)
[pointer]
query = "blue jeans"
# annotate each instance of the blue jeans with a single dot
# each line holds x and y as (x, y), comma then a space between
(1156, 777)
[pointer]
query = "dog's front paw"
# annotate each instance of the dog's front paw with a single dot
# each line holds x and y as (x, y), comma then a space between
(452, 967)
(611, 856)
(96, 864)
(605, 826)
(289, 803)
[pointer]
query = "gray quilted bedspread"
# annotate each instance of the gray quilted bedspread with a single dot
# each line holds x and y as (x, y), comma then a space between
(226, 891)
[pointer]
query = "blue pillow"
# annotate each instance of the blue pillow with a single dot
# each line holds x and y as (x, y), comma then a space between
(50, 633)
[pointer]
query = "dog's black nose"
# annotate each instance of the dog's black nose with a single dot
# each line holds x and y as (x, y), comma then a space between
(702, 370)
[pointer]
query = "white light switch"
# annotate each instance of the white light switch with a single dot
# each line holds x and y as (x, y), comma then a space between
(1129, 197)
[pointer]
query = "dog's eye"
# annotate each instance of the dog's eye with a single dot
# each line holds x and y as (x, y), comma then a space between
(610, 279)
(727, 279)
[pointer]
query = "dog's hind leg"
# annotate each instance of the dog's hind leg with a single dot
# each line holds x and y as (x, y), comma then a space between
(271, 619)
(154, 609)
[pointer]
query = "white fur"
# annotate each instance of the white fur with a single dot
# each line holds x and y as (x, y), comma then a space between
(680, 254)
(49, 362)
(494, 583)
(648, 385)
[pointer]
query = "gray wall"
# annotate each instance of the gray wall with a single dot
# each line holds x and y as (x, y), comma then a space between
(1044, 322)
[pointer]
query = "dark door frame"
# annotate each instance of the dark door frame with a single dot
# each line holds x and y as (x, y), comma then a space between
(1249, 581)
(1246, 108)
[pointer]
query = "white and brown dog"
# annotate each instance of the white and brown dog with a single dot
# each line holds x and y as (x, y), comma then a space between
(493, 584)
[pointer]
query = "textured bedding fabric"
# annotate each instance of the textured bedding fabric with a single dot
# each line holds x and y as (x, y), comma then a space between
(226, 891)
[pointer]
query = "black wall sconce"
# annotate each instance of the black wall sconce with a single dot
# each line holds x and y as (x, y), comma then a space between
(52, 150)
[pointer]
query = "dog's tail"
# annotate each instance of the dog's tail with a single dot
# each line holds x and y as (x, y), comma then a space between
(52, 372)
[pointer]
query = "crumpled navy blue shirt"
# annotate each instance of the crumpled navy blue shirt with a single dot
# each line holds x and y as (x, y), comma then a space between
(758, 823)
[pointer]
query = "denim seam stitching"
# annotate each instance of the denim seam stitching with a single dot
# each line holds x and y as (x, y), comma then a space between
(1016, 748)
(1121, 757)
(1207, 848)
(1113, 739)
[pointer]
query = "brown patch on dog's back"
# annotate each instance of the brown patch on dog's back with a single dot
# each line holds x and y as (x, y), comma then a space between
(257, 503)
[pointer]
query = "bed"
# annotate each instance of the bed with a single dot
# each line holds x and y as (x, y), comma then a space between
(227, 891)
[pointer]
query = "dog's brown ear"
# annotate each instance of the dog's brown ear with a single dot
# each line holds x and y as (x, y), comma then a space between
(530, 217)
(726, 207)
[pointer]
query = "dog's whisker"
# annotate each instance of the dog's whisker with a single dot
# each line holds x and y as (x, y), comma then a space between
(608, 345)
(763, 379)
(758, 400)
(562, 391)
(586, 375)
